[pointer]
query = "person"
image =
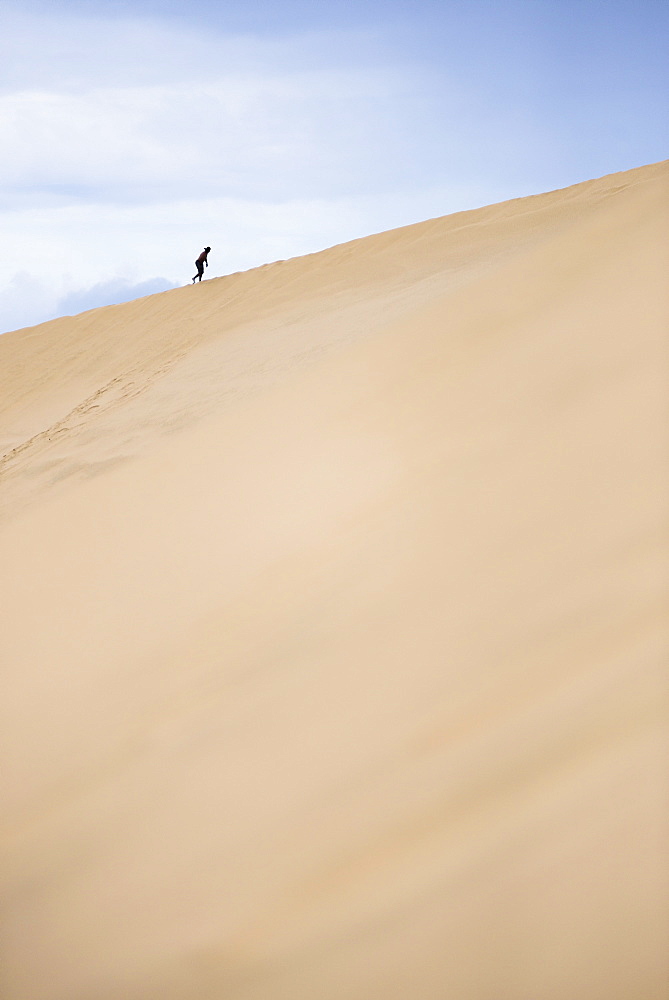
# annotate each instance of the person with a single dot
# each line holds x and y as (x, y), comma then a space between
(201, 263)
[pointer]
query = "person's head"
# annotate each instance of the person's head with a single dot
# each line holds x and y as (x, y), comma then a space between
(207, 249)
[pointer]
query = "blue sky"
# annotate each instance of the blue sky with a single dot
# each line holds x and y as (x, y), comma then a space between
(134, 133)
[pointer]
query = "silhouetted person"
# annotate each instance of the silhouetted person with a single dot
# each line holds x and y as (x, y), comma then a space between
(201, 263)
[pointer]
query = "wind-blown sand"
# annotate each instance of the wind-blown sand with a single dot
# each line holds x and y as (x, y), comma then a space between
(334, 633)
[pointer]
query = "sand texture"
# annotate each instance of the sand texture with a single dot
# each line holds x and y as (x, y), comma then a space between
(334, 628)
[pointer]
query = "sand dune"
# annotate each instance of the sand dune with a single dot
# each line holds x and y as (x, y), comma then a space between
(334, 635)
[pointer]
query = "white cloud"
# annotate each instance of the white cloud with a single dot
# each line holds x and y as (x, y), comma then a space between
(109, 293)
(26, 300)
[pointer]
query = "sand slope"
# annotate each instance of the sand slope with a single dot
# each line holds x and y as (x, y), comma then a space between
(334, 634)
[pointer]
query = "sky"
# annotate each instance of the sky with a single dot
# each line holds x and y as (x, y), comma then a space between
(132, 134)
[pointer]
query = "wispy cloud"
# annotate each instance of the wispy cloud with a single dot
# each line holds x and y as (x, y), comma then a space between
(269, 136)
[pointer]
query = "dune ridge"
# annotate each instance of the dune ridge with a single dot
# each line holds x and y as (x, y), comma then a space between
(334, 621)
